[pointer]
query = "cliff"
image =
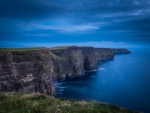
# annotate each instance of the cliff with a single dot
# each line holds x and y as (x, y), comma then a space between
(34, 70)
(26, 71)
(121, 51)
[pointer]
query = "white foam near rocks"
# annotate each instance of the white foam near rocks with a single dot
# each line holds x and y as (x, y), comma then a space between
(102, 69)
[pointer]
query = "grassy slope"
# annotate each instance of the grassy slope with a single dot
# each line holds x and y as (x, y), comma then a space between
(37, 103)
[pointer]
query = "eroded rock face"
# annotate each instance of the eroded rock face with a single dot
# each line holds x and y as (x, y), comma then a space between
(77, 60)
(26, 71)
(35, 70)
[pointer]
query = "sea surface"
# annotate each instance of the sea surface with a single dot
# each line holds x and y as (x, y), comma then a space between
(124, 81)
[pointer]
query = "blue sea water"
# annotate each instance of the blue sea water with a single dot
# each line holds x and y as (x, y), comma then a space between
(124, 81)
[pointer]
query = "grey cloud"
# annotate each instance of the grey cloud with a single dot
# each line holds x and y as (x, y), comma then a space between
(28, 9)
(38, 9)
(131, 16)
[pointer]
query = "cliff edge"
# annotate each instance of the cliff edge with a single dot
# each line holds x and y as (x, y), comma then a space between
(35, 69)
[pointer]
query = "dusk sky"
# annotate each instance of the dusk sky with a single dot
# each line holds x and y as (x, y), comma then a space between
(98, 23)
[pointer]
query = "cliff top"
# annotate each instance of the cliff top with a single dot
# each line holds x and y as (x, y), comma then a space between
(20, 49)
(67, 47)
(5, 50)
(59, 48)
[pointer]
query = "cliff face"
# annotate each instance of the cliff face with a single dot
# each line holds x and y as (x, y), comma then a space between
(35, 70)
(26, 71)
(121, 51)
(76, 60)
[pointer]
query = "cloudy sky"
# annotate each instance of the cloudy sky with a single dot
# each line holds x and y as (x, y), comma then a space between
(99, 23)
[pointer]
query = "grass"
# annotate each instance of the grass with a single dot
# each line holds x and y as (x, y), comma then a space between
(67, 47)
(34, 48)
(19, 49)
(38, 103)
(59, 48)
(55, 56)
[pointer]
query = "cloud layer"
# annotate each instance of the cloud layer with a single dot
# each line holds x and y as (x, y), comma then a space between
(97, 20)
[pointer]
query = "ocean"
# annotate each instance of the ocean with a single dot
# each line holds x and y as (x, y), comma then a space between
(124, 81)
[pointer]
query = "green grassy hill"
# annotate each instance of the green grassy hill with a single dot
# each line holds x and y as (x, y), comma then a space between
(37, 103)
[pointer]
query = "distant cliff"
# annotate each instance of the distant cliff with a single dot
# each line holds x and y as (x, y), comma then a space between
(34, 70)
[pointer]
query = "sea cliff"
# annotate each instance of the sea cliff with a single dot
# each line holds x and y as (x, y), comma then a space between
(35, 69)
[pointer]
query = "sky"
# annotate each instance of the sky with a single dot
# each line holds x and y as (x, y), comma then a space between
(98, 23)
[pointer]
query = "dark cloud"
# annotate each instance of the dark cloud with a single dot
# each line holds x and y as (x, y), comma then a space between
(53, 18)
(28, 9)
(99, 9)
(73, 9)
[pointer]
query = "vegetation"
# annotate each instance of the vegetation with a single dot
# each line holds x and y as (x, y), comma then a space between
(59, 48)
(37, 103)
(72, 57)
(55, 56)
(19, 49)
(34, 48)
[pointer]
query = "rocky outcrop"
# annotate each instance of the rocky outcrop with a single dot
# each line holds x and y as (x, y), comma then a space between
(35, 70)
